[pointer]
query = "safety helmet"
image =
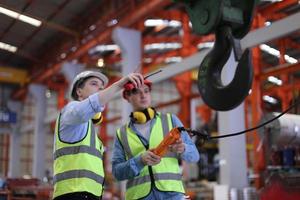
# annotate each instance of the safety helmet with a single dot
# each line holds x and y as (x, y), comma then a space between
(81, 77)
(129, 86)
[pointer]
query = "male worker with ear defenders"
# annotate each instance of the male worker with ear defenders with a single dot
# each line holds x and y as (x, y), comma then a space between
(149, 176)
(78, 165)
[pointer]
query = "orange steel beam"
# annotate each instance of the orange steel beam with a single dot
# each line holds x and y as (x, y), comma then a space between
(275, 17)
(153, 39)
(288, 87)
(141, 11)
(168, 15)
(187, 47)
(256, 102)
(276, 7)
(292, 44)
(282, 69)
(284, 95)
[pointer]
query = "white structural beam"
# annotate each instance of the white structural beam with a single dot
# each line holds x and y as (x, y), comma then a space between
(180, 67)
(277, 29)
(38, 157)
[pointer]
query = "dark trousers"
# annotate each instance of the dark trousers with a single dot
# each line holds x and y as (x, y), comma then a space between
(78, 196)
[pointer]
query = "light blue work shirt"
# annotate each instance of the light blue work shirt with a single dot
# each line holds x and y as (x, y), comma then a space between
(75, 116)
(124, 169)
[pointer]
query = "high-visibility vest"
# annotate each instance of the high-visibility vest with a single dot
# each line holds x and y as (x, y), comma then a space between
(78, 166)
(166, 175)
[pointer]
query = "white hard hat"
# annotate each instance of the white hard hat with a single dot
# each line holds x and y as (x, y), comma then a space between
(84, 75)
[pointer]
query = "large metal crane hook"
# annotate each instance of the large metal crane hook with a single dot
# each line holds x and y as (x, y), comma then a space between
(214, 93)
(230, 20)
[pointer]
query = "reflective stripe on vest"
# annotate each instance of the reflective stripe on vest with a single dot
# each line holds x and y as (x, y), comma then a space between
(147, 178)
(78, 166)
(125, 143)
(78, 174)
(77, 149)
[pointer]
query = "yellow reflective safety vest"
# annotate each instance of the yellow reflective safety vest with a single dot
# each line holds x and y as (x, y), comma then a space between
(166, 175)
(78, 167)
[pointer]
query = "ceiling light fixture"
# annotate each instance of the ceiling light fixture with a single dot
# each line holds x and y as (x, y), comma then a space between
(270, 99)
(8, 47)
(161, 46)
(276, 53)
(162, 22)
(112, 22)
(174, 59)
(100, 62)
(205, 45)
(20, 17)
(275, 80)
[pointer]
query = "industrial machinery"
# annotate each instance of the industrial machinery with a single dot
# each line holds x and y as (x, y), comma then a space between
(230, 20)
(281, 140)
(284, 131)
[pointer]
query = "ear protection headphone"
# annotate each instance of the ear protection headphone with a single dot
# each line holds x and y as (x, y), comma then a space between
(143, 116)
(97, 119)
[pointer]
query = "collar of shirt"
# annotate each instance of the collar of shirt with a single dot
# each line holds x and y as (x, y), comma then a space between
(138, 133)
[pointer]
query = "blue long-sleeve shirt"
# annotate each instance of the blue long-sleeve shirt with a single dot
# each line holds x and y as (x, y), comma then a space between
(124, 169)
(75, 116)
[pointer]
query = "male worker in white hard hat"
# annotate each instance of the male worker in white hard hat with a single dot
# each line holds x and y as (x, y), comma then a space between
(150, 176)
(78, 152)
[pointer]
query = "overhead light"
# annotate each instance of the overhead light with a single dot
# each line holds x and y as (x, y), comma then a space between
(104, 48)
(100, 62)
(268, 23)
(92, 27)
(276, 53)
(205, 45)
(63, 55)
(8, 47)
(270, 99)
(290, 59)
(20, 17)
(74, 48)
(48, 94)
(161, 46)
(173, 59)
(112, 22)
(147, 60)
(275, 80)
(162, 22)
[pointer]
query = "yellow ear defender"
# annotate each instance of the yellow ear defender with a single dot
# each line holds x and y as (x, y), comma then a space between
(143, 116)
(97, 119)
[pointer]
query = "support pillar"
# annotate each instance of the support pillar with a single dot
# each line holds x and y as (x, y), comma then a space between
(38, 165)
(14, 167)
(130, 43)
(285, 95)
(233, 164)
(256, 110)
(183, 84)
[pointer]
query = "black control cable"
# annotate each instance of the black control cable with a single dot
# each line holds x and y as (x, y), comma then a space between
(205, 136)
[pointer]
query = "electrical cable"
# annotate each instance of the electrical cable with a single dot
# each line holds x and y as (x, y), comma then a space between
(204, 135)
